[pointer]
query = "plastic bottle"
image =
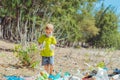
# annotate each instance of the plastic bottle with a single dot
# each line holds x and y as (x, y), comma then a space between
(74, 78)
(101, 74)
(44, 75)
(57, 76)
(52, 47)
(40, 78)
(79, 74)
(51, 77)
(116, 77)
(66, 76)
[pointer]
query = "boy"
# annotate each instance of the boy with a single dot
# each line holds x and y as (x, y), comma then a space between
(47, 51)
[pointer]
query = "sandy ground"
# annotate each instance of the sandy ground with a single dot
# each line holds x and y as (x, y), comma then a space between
(66, 59)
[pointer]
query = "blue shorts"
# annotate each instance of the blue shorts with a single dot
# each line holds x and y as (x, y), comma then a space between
(47, 60)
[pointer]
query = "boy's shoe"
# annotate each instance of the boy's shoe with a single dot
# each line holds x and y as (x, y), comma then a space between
(51, 77)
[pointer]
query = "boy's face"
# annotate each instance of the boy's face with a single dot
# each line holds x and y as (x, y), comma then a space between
(48, 31)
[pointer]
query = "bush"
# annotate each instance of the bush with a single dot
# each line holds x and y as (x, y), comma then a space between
(109, 41)
(28, 56)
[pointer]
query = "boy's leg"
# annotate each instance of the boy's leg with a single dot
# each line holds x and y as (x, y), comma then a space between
(46, 67)
(51, 63)
(48, 62)
(51, 68)
(45, 63)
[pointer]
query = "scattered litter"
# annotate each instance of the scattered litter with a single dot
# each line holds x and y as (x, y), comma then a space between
(97, 74)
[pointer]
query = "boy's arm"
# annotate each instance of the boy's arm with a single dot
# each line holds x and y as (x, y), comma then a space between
(52, 46)
(40, 41)
(54, 41)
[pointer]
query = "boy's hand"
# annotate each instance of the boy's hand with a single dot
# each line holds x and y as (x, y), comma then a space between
(42, 46)
(52, 47)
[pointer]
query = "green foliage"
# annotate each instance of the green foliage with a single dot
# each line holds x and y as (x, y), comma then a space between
(73, 19)
(88, 28)
(86, 21)
(101, 64)
(29, 56)
(107, 22)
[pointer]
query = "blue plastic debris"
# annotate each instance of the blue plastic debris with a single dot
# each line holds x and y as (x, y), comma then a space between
(13, 78)
(117, 71)
(57, 76)
(66, 74)
(51, 76)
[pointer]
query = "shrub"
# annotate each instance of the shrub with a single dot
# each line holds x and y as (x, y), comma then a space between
(28, 56)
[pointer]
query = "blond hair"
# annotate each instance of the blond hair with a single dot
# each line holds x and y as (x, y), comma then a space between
(49, 26)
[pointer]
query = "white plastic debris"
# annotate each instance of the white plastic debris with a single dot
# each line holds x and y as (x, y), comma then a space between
(74, 78)
(116, 77)
(101, 74)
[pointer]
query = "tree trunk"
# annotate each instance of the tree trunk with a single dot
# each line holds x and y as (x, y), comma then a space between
(1, 32)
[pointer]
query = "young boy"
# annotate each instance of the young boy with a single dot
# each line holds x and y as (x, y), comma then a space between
(48, 42)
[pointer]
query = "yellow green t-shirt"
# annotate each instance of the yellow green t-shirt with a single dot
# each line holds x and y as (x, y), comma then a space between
(46, 43)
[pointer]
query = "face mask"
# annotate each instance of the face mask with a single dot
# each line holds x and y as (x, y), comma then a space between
(48, 35)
